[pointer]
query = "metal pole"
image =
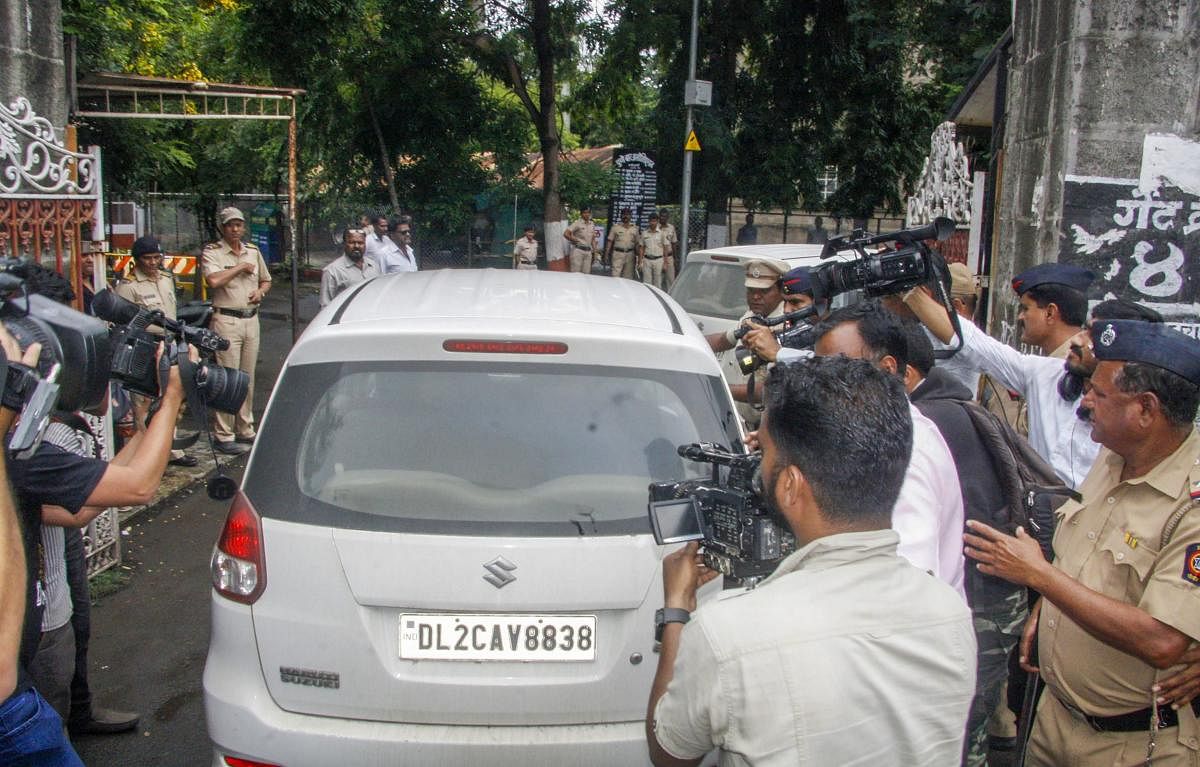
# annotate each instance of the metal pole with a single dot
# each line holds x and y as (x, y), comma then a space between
(685, 212)
(292, 223)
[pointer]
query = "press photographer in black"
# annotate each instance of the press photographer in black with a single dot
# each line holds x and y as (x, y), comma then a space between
(51, 477)
(846, 654)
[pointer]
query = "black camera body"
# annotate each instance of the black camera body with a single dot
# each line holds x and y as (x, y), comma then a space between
(798, 333)
(135, 353)
(743, 539)
(885, 273)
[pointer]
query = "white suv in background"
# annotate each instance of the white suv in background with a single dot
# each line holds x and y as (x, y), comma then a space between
(440, 554)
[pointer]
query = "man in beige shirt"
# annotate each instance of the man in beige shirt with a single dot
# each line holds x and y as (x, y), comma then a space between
(237, 279)
(582, 236)
(622, 245)
(1121, 603)
(525, 250)
(672, 237)
(651, 251)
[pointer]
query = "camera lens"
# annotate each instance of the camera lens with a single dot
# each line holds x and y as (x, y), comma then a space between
(30, 330)
(223, 388)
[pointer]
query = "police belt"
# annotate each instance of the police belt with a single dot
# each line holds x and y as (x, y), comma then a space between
(622, 250)
(1134, 721)
(651, 258)
(582, 247)
(523, 261)
(243, 313)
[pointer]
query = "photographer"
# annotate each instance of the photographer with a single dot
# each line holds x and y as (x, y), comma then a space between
(796, 286)
(847, 653)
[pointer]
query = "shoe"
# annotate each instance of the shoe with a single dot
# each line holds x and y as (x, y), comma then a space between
(184, 460)
(104, 721)
(246, 440)
(230, 448)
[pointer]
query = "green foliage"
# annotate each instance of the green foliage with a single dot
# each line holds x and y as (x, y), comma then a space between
(587, 182)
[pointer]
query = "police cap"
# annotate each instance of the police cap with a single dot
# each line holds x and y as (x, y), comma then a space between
(1053, 274)
(762, 274)
(144, 246)
(798, 280)
(1148, 343)
(230, 214)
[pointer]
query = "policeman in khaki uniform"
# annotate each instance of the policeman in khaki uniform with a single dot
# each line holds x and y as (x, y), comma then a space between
(1120, 605)
(622, 246)
(582, 236)
(672, 238)
(151, 287)
(651, 251)
(237, 279)
(525, 250)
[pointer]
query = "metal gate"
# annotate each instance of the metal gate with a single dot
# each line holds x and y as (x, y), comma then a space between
(49, 206)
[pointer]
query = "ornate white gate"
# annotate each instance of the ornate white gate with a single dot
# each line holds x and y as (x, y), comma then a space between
(50, 203)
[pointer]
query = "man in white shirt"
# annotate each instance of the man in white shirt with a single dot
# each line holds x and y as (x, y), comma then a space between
(1053, 310)
(404, 259)
(846, 654)
(929, 512)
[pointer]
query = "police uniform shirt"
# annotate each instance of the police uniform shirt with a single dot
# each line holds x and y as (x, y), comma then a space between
(234, 294)
(1110, 543)
(583, 232)
(655, 243)
(526, 250)
(669, 234)
(624, 237)
(156, 292)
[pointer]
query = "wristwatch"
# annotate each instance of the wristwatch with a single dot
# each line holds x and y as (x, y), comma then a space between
(665, 615)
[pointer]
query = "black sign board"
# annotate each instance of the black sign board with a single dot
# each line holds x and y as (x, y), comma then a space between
(637, 188)
(1141, 244)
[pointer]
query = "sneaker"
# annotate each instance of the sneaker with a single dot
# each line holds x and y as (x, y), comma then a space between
(230, 448)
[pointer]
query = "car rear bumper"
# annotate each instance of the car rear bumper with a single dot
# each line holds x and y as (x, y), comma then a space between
(244, 721)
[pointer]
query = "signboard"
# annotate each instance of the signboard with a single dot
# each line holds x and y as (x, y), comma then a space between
(637, 188)
(1137, 242)
(692, 144)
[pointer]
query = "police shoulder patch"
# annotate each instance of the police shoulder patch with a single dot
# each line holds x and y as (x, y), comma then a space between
(1191, 564)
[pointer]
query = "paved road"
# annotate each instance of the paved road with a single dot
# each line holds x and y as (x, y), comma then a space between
(149, 640)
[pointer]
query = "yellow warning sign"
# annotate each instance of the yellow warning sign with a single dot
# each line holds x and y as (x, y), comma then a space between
(693, 143)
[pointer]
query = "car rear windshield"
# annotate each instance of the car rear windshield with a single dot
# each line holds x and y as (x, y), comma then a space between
(712, 289)
(515, 449)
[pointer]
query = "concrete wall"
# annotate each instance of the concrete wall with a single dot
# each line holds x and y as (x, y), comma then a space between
(1088, 80)
(31, 57)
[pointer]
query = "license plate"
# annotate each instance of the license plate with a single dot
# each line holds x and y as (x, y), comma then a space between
(424, 636)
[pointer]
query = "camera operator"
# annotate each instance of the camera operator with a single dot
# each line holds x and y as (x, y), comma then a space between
(764, 298)
(796, 286)
(1053, 307)
(55, 477)
(929, 513)
(846, 653)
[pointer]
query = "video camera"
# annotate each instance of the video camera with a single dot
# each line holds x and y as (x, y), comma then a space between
(71, 341)
(884, 273)
(743, 539)
(798, 333)
(135, 354)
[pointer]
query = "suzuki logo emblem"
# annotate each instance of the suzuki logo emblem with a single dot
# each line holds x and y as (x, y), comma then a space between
(499, 572)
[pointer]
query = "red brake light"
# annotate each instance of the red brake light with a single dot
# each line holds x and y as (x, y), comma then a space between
(487, 346)
(725, 259)
(238, 565)
(234, 761)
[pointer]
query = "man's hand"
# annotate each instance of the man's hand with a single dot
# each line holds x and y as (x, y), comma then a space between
(12, 350)
(247, 266)
(762, 342)
(255, 297)
(1017, 559)
(1028, 637)
(684, 572)
(1180, 688)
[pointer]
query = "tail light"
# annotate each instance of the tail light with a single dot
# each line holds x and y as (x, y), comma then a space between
(234, 761)
(238, 566)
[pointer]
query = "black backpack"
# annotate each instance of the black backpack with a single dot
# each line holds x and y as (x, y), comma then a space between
(1031, 489)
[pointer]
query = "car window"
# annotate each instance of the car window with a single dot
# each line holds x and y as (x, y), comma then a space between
(501, 449)
(712, 289)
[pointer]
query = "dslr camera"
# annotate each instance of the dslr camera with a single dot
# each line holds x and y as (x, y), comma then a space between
(797, 333)
(743, 539)
(135, 354)
(909, 264)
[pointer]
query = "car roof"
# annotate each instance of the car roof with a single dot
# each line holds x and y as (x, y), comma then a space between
(498, 304)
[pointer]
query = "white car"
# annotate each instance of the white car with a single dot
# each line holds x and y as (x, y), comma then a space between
(440, 554)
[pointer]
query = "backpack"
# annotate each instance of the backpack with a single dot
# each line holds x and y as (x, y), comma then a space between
(1032, 491)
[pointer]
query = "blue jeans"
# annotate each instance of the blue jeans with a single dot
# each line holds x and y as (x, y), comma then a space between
(31, 734)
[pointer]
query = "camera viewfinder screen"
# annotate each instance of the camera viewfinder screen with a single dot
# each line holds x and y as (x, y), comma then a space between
(676, 521)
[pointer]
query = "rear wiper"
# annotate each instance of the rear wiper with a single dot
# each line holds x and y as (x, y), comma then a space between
(590, 517)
